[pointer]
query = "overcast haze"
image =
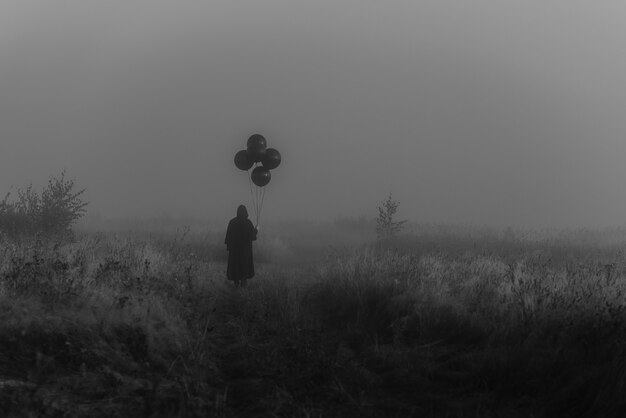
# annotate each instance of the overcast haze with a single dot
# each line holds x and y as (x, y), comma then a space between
(482, 112)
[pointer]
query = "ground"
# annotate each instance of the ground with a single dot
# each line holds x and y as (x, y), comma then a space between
(147, 325)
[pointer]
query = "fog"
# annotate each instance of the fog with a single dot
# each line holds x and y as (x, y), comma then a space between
(482, 112)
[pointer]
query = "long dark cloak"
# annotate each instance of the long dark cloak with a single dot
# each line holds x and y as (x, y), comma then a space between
(239, 236)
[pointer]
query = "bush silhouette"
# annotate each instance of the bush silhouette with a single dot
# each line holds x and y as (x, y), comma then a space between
(50, 213)
(386, 226)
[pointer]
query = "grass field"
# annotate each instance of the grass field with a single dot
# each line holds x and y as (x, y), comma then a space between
(432, 324)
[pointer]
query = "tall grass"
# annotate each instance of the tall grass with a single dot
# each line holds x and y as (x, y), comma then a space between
(105, 326)
(386, 331)
(120, 325)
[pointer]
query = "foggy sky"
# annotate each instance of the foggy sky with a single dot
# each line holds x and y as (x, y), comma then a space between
(483, 112)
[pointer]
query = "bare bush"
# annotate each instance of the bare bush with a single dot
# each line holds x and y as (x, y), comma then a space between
(50, 213)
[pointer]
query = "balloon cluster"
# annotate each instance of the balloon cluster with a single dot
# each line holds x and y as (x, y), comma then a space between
(263, 159)
(255, 153)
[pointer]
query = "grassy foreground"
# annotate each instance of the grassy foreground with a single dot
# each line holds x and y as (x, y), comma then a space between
(147, 326)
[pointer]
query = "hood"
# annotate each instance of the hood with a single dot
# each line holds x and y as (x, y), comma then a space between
(242, 212)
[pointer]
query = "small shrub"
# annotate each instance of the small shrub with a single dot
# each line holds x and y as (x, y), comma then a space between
(386, 227)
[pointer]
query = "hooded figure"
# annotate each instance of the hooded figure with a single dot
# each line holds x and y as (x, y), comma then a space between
(239, 236)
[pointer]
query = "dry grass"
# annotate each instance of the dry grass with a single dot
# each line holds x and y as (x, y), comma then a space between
(121, 325)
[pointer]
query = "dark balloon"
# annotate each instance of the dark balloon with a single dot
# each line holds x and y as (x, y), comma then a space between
(271, 159)
(242, 161)
(257, 140)
(256, 153)
(261, 176)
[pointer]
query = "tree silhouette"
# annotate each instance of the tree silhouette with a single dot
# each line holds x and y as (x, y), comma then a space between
(386, 227)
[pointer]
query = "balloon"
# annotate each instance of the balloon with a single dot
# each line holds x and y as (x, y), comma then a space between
(261, 176)
(242, 161)
(257, 140)
(256, 152)
(271, 159)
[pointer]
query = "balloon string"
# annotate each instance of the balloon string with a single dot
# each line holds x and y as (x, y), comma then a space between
(252, 195)
(261, 205)
(256, 199)
(256, 202)
(257, 205)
